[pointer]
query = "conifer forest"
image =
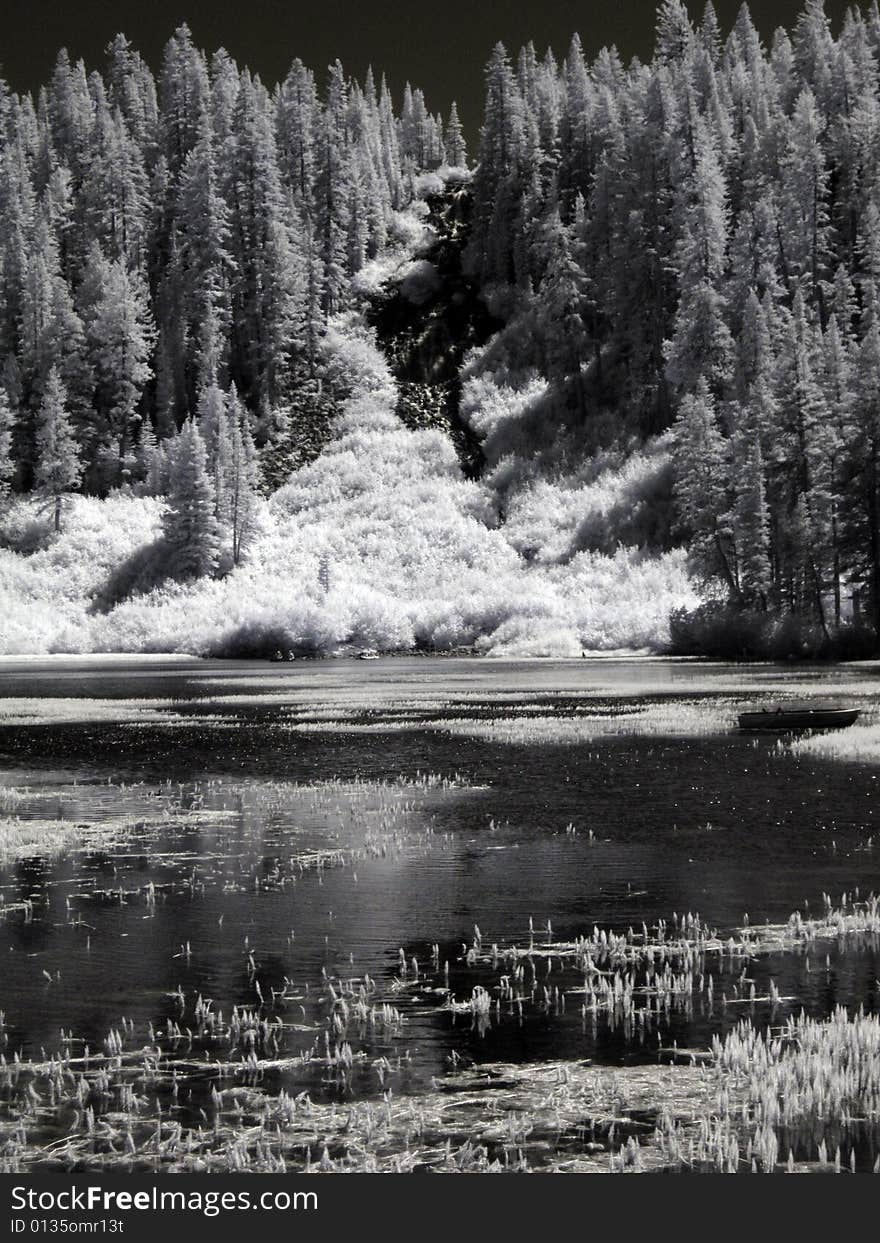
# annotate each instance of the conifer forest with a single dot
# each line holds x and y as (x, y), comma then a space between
(296, 365)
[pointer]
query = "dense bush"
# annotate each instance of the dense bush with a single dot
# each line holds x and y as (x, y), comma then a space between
(723, 631)
(380, 541)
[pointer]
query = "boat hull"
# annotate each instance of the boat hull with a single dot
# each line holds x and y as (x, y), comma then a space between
(782, 719)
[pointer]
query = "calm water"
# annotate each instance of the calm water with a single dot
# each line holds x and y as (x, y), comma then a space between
(615, 832)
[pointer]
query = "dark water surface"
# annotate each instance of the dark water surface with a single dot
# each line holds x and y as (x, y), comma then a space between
(612, 833)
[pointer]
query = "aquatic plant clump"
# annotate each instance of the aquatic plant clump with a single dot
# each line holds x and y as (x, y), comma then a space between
(558, 1116)
(814, 1084)
(750, 1101)
(673, 719)
(860, 743)
(21, 839)
(851, 921)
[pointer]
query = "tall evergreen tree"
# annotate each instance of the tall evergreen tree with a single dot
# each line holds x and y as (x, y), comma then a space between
(456, 149)
(496, 192)
(269, 283)
(58, 466)
(190, 522)
(120, 335)
(241, 501)
(750, 521)
(206, 268)
(701, 345)
(703, 486)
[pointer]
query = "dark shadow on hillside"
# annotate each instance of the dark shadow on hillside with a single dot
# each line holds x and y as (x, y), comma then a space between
(427, 323)
(33, 535)
(643, 517)
(558, 428)
(147, 567)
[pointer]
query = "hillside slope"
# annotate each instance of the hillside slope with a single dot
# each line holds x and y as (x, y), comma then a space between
(382, 540)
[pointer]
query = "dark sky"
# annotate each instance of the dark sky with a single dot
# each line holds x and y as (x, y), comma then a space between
(440, 45)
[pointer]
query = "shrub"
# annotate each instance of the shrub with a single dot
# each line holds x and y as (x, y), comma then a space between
(413, 552)
(722, 631)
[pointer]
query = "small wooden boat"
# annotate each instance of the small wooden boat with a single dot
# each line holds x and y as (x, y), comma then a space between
(799, 718)
(368, 653)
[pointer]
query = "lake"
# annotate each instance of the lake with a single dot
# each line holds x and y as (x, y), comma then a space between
(228, 886)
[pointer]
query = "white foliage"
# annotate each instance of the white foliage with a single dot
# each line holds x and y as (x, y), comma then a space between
(413, 552)
(488, 404)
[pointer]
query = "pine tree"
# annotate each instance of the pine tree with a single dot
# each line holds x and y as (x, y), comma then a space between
(190, 523)
(206, 267)
(184, 99)
(860, 517)
(702, 486)
(51, 330)
(224, 82)
(750, 521)
(214, 428)
(837, 382)
(496, 194)
(576, 136)
(115, 198)
(710, 33)
(145, 458)
(17, 212)
(813, 46)
(456, 150)
(675, 34)
(120, 335)
(414, 122)
(334, 193)
(58, 466)
(297, 122)
(701, 344)
(806, 235)
(132, 90)
(268, 291)
(243, 481)
(562, 303)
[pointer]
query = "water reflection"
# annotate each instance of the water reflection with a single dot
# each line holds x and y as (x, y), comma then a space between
(222, 880)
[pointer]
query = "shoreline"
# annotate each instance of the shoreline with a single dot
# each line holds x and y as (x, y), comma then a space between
(24, 660)
(21, 660)
(109, 658)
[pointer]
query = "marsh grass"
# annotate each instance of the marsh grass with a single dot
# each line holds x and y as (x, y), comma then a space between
(498, 1118)
(749, 1102)
(851, 923)
(550, 715)
(665, 719)
(27, 836)
(82, 711)
(807, 1081)
(535, 723)
(21, 839)
(860, 743)
(339, 1044)
(10, 798)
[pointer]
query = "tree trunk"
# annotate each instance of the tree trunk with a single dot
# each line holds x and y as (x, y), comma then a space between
(835, 544)
(726, 571)
(817, 594)
(874, 535)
